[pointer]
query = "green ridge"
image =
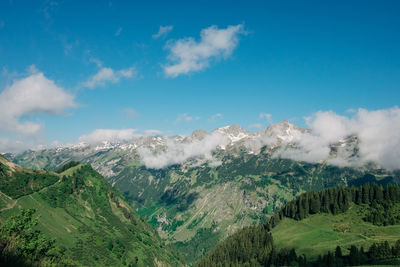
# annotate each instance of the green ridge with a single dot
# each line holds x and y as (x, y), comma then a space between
(85, 216)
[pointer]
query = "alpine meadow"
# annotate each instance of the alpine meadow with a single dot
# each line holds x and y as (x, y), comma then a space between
(199, 133)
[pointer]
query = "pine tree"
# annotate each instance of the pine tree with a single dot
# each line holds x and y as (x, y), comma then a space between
(338, 252)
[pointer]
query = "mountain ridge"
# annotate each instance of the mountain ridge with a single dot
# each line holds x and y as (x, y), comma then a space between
(196, 193)
(88, 219)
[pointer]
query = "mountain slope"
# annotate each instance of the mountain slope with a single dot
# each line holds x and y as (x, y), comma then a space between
(315, 224)
(321, 233)
(84, 214)
(196, 200)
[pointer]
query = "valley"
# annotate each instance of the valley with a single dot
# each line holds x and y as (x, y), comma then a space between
(196, 203)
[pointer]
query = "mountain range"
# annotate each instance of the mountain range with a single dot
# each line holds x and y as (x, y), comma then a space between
(197, 190)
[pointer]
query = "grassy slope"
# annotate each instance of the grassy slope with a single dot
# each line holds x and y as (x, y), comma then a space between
(91, 218)
(216, 205)
(321, 233)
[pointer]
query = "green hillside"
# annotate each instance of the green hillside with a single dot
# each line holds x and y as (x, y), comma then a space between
(335, 227)
(90, 222)
(320, 233)
(193, 206)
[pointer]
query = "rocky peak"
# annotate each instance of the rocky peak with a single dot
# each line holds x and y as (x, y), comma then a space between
(234, 132)
(284, 130)
(199, 134)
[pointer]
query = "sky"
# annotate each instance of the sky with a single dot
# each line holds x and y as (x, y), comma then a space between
(73, 69)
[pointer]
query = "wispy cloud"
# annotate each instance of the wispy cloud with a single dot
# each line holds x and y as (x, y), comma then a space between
(186, 118)
(266, 116)
(96, 61)
(256, 126)
(29, 96)
(187, 55)
(130, 113)
(108, 75)
(163, 31)
(152, 132)
(111, 135)
(215, 117)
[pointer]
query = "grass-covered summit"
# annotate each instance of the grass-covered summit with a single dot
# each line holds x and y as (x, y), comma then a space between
(86, 220)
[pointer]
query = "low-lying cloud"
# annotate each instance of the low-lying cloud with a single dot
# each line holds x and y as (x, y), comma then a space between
(378, 134)
(178, 152)
(361, 138)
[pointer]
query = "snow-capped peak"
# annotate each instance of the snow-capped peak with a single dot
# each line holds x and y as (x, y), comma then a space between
(233, 132)
(284, 131)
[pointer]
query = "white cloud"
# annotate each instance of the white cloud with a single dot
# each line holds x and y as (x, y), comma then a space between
(96, 61)
(11, 146)
(378, 132)
(176, 152)
(29, 96)
(187, 55)
(105, 75)
(215, 117)
(266, 116)
(110, 135)
(152, 132)
(130, 113)
(186, 118)
(256, 126)
(32, 69)
(163, 31)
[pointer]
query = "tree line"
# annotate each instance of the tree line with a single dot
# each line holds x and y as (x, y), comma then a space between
(358, 256)
(337, 200)
(254, 246)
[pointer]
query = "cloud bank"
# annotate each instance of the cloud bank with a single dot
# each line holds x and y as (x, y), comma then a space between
(187, 55)
(178, 152)
(354, 141)
(377, 132)
(30, 96)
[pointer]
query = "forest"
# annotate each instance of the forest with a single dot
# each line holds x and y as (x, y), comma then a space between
(254, 246)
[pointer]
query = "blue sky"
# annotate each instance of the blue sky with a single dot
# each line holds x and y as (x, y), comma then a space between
(288, 59)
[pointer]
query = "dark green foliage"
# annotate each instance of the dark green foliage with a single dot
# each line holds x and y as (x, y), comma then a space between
(21, 183)
(67, 166)
(337, 200)
(58, 195)
(383, 213)
(357, 256)
(250, 245)
(22, 245)
(93, 222)
(205, 239)
(3, 170)
(253, 246)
